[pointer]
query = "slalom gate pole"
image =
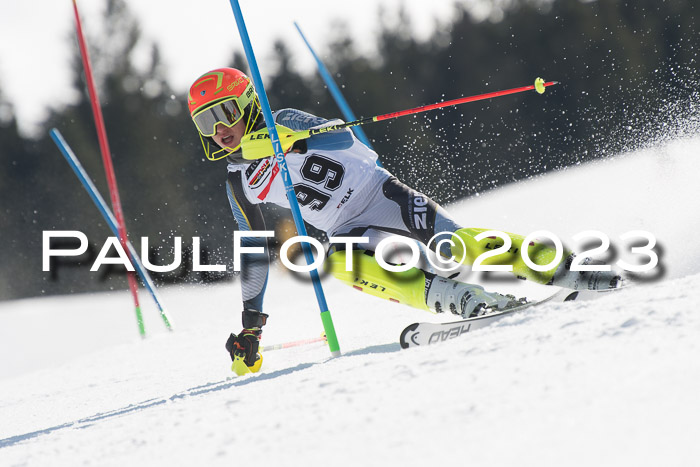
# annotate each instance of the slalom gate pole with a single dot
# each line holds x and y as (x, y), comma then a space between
(337, 94)
(107, 160)
(284, 172)
(102, 206)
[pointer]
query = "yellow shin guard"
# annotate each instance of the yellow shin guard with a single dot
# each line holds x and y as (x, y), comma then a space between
(539, 254)
(368, 276)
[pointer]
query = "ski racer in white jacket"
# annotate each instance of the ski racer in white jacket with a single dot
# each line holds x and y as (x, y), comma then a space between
(343, 192)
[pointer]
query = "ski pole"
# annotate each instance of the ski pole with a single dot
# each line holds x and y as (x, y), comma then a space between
(102, 206)
(107, 160)
(287, 345)
(257, 145)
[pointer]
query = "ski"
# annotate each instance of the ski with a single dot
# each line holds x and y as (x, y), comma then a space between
(424, 333)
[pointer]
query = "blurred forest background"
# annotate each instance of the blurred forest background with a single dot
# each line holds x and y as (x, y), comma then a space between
(629, 74)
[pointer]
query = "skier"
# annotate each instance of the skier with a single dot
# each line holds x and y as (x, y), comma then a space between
(343, 192)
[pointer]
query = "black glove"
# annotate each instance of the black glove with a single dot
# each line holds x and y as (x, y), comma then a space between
(247, 342)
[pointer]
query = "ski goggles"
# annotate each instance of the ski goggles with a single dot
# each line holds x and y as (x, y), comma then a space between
(227, 112)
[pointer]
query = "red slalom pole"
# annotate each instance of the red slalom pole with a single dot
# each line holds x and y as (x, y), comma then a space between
(109, 168)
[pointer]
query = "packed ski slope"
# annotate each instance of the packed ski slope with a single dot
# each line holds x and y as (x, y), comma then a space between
(611, 381)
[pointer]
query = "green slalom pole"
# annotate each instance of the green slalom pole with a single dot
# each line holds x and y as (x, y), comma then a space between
(284, 171)
(103, 207)
(107, 161)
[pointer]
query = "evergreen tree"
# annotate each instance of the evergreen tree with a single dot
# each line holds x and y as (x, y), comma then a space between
(628, 71)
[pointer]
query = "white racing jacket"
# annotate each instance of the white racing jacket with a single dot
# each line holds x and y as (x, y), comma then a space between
(327, 179)
(335, 166)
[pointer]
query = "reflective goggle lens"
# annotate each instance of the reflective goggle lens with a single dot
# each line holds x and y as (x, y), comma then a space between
(226, 112)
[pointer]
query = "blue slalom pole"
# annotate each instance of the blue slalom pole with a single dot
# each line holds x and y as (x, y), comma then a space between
(109, 217)
(337, 95)
(284, 171)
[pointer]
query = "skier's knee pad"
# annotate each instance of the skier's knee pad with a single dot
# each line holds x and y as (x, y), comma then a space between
(538, 253)
(407, 287)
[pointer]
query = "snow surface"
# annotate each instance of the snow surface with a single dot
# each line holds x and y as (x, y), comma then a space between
(611, 381)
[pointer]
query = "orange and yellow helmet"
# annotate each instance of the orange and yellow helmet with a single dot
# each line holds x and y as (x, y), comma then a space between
(224, 96)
